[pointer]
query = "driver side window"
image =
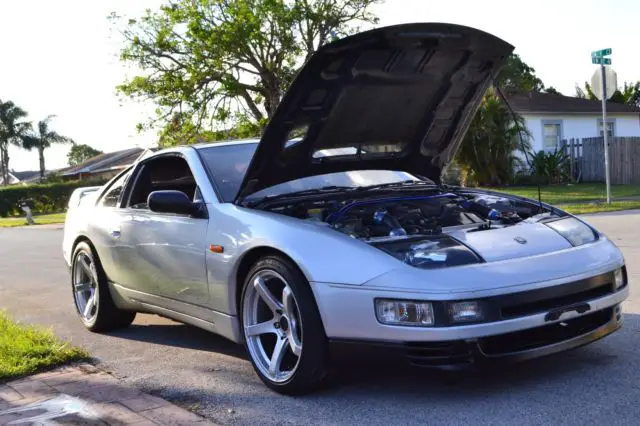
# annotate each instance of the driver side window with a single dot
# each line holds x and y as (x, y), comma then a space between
(169, 172)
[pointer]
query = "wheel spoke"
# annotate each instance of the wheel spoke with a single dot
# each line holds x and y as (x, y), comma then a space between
(265, 295)
(83, 286)
(294, 342)
(262, 328)
(91, 303)
(287, 301)
(94, 273)
(85, 266)
(291, 312)
(278, 354)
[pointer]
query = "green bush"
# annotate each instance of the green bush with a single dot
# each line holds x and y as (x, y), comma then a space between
(47, 197)
(551, 167)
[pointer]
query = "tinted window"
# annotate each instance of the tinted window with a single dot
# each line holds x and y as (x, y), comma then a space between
(112, 196)
(228, 165)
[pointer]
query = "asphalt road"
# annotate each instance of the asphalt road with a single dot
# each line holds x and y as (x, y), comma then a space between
(598, 384)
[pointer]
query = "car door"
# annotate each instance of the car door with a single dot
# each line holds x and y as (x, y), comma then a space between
(162, 255)
(105, 223)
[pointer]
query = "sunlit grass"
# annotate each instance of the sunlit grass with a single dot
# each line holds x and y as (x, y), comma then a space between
(9, 222)
(26, 349)
(579, 208)
(572, 193)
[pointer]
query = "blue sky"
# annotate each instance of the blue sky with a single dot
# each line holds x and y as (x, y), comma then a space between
(60, 56)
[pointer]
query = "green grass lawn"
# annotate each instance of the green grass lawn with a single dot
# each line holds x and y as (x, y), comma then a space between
(26, 349)
(580, 208)
(8, 222)
(576, 193)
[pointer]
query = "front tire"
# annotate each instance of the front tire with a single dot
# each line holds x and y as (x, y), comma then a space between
(283, 332)
(91, 295)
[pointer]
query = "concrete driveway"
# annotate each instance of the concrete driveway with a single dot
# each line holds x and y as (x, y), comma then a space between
(594, 385)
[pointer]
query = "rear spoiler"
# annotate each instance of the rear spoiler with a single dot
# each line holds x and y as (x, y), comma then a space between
(78, 194)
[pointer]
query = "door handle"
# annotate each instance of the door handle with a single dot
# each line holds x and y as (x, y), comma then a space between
(115, 233)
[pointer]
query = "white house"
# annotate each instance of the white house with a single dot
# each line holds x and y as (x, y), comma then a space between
(551, 118)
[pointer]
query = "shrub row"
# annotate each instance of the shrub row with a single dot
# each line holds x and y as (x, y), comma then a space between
(48, 197)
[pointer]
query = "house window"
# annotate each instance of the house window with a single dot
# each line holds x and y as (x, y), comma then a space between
(551, 133)
(611, 128)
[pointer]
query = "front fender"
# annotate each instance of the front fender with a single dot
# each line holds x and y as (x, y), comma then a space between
(322, 254)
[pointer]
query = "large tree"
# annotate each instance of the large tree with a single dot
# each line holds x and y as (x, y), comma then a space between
(208, 64)
(13, 131)
(516, 76)
(79, 153)
(629, 95)
(488, 153)
(42, 139)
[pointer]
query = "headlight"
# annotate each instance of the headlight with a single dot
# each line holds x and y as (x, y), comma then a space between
(576, 232)
(429, 253)
(404, 312)
(618, 278)
(465, 311)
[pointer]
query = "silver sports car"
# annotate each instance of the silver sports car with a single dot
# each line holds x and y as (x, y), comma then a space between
(335, 228)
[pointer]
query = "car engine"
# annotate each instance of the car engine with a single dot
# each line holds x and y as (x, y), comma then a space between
(370, 218)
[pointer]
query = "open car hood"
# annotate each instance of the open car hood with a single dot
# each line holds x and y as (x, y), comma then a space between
(394, 98)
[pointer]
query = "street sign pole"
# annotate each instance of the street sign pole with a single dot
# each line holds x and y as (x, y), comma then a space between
(599, 57)
(604, 133)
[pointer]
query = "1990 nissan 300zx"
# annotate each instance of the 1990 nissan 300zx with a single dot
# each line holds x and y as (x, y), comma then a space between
(346, 234)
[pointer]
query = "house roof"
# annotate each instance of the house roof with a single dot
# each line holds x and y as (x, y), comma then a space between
(535, 102)
(12, 179)
(26, 175)
(104, 162)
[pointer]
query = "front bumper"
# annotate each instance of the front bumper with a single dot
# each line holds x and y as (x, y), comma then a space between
(348, 312)
(509, 347)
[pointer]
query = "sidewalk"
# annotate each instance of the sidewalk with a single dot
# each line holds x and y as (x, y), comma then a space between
(83, 395)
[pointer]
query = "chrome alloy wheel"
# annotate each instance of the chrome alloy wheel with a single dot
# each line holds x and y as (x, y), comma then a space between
(272, 325)
(85, 287)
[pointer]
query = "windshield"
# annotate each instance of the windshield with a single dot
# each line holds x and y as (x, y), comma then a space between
(228, 165)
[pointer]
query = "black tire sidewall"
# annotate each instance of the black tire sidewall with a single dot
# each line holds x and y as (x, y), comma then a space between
(313, 367)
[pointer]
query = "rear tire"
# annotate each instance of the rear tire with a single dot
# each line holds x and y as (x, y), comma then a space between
(283, 332)
(91, 295)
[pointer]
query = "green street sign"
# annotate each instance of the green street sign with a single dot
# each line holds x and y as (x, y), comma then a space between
(601, 53)
(604, 61)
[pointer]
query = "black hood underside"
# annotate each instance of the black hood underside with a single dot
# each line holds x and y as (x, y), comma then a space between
(394, 98)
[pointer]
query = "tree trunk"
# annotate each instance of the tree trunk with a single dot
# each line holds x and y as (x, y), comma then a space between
(272, 93)
(41, 155)
(4, 165)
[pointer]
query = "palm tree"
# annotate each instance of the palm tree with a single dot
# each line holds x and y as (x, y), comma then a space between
(488, 153)
(43, 139)
(13, 131)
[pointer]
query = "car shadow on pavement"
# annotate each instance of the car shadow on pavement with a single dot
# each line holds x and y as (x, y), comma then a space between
(182, 336)
(232, 395)
(373, 372)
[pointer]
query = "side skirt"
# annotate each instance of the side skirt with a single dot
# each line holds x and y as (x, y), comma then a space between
(216, 322)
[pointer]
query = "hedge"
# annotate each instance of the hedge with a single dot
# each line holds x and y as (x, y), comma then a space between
(48, 198)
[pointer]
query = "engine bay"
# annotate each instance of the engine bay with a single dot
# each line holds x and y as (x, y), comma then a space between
(410, 215)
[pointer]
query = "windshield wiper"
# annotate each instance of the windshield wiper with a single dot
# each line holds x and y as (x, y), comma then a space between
(397, 185)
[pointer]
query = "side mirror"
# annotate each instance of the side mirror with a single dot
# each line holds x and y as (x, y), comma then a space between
(175, 202)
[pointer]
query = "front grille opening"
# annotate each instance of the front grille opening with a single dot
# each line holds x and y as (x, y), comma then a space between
(438, 353)
(545, 335)
(557, 302)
